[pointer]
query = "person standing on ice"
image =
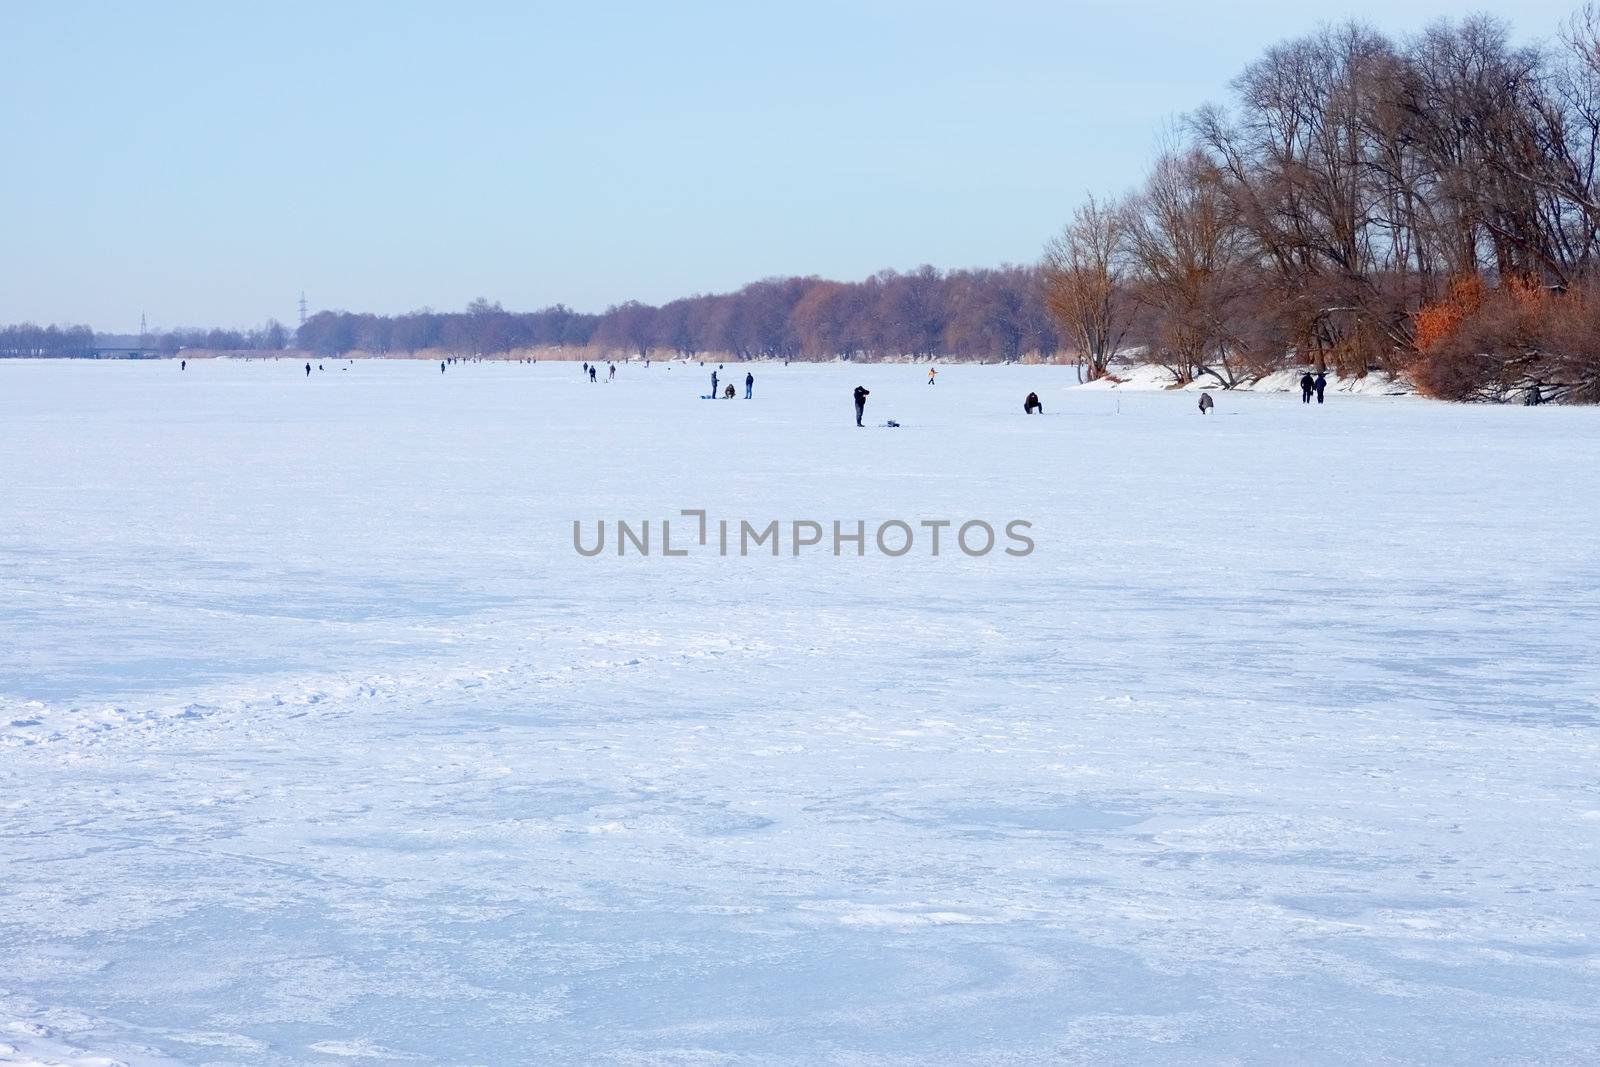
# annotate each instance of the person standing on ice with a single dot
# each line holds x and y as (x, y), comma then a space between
(183, 364)
(441, 366)
(861, 395)
(1032, 404)
(611, 372)
(1321, 383)
(594, 374)
(1307, 384)
(749, 384)
(713, 385)
(308, 370)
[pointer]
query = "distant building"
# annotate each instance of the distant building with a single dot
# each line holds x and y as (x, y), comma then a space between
(125, 352)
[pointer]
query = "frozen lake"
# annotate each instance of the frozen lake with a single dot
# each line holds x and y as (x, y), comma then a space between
(319, 743)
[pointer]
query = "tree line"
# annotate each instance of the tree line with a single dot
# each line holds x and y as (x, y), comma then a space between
(966, 314)
(1427, 207)
(997, 314)
(80, 342)
(272, 336)
(26, 340)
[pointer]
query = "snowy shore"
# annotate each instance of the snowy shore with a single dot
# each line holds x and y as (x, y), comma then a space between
(1151, 378)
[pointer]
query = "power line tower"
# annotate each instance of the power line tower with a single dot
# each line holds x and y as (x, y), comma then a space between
(302, 307)
(143, 330)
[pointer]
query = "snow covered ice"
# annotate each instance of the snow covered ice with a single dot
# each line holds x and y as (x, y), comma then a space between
(319, 743)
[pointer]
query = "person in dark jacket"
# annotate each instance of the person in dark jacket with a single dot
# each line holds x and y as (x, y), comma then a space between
(1206, 403)
(1307, 383)
(441, 367)
(594, 374)
(713, 385)
(1030, 405)
(749, 384)
(861, 395)
(1321, 383)
(308, 370)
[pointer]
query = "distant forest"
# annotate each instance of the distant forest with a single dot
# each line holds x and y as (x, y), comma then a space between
(964, 314)
(81, 342)
(967, 314)
(1427, 207)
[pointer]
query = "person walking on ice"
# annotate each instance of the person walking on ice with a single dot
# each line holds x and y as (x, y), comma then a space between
(441, 366)
(932, 372)
(861, 395)
(1032, 404)
(749, 384)
(1321, 383)
(308, 370)
(1307, 383)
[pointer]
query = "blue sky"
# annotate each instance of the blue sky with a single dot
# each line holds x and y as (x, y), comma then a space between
(202, 163)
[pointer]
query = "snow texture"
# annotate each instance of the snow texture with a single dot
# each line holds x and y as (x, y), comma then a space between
(319, 743)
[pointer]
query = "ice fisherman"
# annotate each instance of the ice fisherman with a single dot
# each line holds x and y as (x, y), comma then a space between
(861, 395)
(749, 384)
(1032, 404)
(1206, 403)
(1307, 384)
(727, 394)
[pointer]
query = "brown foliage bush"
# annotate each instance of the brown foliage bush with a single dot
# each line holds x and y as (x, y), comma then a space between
(1494, 344)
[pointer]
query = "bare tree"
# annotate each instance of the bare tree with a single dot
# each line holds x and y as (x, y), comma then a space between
(1195, 271)
(1085, 287)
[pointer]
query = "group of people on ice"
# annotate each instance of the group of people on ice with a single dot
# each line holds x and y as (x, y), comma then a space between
(1309, 385)
(729, 392)
(1031, 405)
